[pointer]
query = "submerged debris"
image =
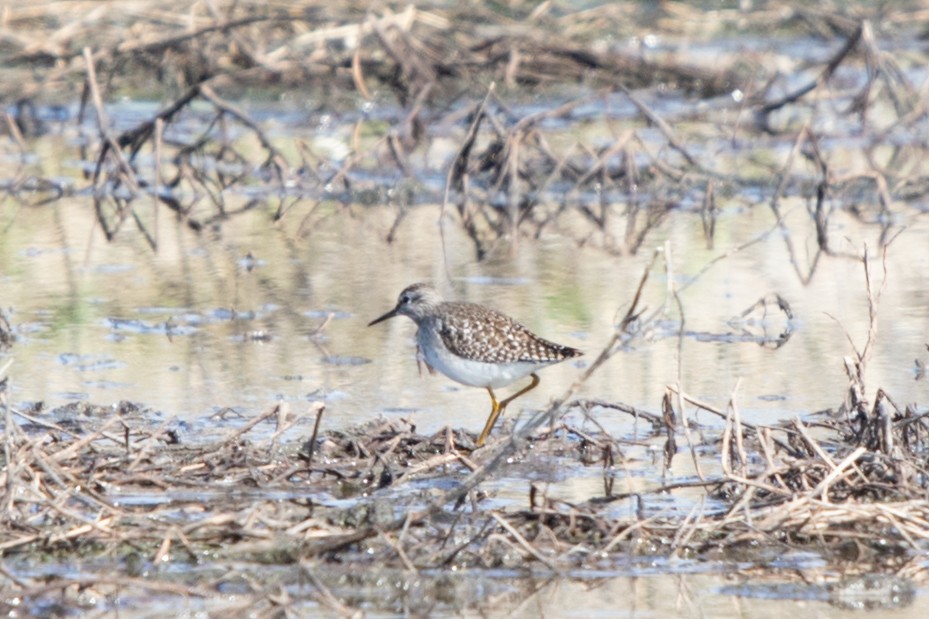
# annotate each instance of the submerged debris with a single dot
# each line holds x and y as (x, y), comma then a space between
(383, 495)
(847, 485)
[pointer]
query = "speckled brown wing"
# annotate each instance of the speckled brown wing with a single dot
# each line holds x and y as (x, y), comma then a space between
(479, 333)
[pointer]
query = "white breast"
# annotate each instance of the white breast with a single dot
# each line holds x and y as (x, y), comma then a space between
(466, 371)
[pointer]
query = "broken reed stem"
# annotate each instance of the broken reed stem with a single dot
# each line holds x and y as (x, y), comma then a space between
(156, 181)
(785, 177)
(311, 448)
(874, 298)
(822, 489)
(768, 449)
(234, 435)
(725, 446)
(672, 292)
(812, 444)
(457, 178)
(737, 421)
(103, 123)
(821, 79)
(666, 130)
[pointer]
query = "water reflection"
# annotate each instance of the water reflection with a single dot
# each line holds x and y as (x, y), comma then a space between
(236, 320)
(199, 325)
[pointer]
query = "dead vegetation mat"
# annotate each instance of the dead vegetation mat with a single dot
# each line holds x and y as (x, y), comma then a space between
(86, 484)
(849, 484)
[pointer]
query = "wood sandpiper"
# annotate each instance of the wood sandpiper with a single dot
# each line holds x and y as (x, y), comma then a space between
(475, 345)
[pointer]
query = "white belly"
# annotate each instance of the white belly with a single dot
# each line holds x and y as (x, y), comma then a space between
(468, 372)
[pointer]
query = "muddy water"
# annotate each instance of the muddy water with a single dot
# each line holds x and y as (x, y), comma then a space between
(243, 316)
(252, 315)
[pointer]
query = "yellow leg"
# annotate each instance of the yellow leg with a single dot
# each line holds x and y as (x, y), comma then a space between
(495, 411)
(524, 390)
(497, 407)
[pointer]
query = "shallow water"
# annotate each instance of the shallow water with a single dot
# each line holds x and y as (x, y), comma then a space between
(192, 328)
(213, 328)
(657, 589)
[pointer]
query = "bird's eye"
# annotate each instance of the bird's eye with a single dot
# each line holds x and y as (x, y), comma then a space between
(405, 299)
